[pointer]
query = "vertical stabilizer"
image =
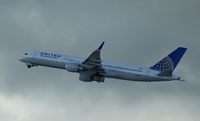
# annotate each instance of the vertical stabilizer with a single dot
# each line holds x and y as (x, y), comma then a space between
(170, 62)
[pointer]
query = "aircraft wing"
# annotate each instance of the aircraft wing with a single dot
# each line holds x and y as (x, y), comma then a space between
(92, 64)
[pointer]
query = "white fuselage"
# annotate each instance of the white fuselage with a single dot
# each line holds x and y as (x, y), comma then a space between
(111, 70)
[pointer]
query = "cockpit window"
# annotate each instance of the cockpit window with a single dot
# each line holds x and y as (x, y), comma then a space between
(26, 54)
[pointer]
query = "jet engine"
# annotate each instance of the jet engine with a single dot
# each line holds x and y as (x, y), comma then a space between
(88, 78)
(99, 78)
(85, 78)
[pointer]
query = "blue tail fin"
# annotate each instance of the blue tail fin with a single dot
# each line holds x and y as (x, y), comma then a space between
(171, 61)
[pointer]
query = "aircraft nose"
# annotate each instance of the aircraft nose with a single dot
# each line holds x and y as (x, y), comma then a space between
(21, 59)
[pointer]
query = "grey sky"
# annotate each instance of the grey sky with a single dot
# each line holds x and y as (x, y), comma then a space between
(138, 32)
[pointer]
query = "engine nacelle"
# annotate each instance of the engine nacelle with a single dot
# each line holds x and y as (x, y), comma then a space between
(87, 78)
(72, 67)
(99, 78)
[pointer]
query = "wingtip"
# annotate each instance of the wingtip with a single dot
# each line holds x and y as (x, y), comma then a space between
(179, 79)
(101, 46)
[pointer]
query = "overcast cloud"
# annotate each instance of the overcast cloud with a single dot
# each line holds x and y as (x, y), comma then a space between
(139, 32)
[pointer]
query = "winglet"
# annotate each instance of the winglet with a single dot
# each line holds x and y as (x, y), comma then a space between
(100, 47)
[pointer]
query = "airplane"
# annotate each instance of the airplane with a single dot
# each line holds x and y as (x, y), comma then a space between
(94, 68)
